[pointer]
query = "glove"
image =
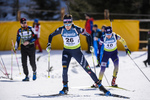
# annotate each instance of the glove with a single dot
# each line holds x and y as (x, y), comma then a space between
(48, 47)
(128, 51)
(15, 48)
(91, 49)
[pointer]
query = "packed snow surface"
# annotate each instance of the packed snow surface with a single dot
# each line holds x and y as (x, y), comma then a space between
(129, 77)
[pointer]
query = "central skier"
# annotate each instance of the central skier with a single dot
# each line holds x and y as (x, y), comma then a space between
(72, 48)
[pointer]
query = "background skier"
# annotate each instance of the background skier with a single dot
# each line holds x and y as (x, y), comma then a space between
(27, 37)
(110, 51)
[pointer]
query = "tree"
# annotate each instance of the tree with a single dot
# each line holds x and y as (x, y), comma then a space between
(45, 10)
(97, 7)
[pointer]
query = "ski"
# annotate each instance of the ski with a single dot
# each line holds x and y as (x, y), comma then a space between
(65, 95)
(120, 88)
(41, 56)
(53, 95)
(38, 58)
(2, 77)
(115, 95)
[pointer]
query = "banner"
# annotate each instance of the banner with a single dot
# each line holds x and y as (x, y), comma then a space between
(127, 29)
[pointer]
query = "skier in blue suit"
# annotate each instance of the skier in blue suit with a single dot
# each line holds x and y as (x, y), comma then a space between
(96, 33)
(72, 48)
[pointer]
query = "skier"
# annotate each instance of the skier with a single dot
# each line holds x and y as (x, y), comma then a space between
(36, 30)
(110, 51)
(27, 37)
(72, 48)
(98, 49)
(147, 61)
(96, 34)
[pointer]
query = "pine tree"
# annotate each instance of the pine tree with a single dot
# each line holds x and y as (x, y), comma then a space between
(45, 10)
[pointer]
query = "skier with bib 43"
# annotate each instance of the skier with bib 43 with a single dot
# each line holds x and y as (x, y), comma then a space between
(72, 48)
(110, 51)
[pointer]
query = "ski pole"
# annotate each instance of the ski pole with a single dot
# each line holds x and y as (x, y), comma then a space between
(49, 64)
(2, 72)
(139, 68)
(17, 63)
(4, 67)
(11, 64)
(106, 79)
(93, 62)
(15, 55)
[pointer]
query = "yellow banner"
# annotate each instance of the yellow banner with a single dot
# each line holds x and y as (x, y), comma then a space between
(128, 29)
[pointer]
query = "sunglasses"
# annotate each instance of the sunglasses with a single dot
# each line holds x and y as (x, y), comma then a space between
(67, 24)
(23, 22)
(109, 34)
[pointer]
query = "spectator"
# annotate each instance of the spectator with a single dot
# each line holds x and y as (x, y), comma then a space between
(36, 30)
(88, 27)
(148, 56)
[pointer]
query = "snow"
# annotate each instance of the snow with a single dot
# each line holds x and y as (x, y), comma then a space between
(129, 77)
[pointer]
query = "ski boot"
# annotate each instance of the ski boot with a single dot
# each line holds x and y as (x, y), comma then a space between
(113, 82)
(26, 78)
(145, 63)
(94, 86)
(64, 90)
(34, 76)
(103, 89)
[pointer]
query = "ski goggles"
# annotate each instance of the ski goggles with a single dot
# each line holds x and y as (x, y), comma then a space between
(108, 34)
(68, 24)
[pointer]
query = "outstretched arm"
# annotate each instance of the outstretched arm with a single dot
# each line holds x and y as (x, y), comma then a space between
(124, 44)
(56, 32)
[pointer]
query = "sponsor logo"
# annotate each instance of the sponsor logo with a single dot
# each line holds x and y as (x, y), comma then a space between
(66, 56)
(64, 66)
(89, 72)
(88, 67)
(103, 64)
(67, 35)
(81, 60)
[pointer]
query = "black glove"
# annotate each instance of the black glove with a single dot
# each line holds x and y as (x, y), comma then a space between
(48, 47)
(128, 51)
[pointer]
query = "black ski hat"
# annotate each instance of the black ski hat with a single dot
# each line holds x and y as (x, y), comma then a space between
(22, 20)
(95, 25)
(67, 18)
